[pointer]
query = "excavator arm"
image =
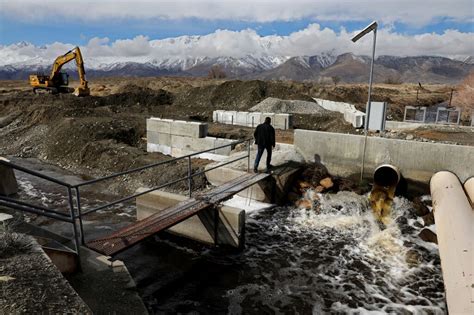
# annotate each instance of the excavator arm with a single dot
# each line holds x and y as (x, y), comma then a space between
(54, 81)
(73, 54)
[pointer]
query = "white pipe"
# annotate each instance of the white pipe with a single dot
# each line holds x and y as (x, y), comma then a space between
(469, 188)
(455, 230)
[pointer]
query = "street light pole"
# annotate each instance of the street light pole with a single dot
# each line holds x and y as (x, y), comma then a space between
(367, 111)
(368, 29)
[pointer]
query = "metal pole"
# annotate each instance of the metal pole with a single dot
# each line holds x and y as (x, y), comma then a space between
(79, 212)
(248, 155)
(189, 177)
(367, 112)
(73, 218)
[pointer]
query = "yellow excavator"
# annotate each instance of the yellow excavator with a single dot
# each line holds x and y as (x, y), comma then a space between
(58, 81)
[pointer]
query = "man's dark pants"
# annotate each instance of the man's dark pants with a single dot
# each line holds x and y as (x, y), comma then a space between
(260, 150)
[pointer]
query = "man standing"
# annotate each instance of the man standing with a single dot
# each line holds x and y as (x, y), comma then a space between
(265, 139)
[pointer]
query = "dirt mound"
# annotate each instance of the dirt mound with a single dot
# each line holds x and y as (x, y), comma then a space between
(236, 95)
(464, 95)
(276, 105)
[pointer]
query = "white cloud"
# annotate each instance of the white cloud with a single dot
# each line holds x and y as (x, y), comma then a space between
(418, 13)
(312, 40)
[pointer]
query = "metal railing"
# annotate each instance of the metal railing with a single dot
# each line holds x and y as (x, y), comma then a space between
(75, 213)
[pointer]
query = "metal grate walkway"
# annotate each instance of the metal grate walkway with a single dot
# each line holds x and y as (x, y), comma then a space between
(128, 236)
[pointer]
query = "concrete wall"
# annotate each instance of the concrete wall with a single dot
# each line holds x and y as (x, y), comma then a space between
(390, 124)
(232, 219)
(178, 138)
(351, 114)
(252, 119)
(342, 154)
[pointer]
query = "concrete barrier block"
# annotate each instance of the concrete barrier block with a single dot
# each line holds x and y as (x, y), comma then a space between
(217, 115)
(158, 125)
(192, 144)
(229, 117)
(189, 129)
(241, 118)
(8, 183)
(158, 138)
(253, 119)
(283, 121)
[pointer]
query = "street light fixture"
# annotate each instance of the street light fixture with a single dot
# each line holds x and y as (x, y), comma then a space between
(371, 27)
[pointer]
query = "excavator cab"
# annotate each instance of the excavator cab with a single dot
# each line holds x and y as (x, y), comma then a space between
(57, 81)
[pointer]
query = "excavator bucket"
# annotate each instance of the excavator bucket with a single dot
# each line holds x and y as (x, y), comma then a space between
(82, 91)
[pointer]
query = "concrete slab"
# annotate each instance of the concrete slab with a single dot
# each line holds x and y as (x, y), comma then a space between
(232, 219)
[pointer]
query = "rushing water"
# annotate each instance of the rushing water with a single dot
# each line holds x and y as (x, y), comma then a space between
(331, 259)
(334, 259)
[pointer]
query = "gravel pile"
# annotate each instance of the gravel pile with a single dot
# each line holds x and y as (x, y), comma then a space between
(276, 105)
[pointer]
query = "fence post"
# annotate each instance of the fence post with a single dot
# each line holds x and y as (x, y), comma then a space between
(79, 213)
(74, 227)
(189, 177)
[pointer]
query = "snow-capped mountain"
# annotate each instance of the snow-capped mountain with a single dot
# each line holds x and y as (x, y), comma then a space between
(191, 56)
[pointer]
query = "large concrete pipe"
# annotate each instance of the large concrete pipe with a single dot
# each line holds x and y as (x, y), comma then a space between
(386, 175)
(469, 188)
(386, 178)
(454, 220)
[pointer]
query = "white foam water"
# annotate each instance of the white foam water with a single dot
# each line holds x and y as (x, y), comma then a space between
(336, 258)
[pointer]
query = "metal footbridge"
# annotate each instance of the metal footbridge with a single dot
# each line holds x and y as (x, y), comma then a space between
(138, 231)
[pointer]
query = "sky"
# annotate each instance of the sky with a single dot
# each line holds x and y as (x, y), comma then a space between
(235, 28)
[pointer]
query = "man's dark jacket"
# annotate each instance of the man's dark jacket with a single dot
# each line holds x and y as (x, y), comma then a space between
(264, 135)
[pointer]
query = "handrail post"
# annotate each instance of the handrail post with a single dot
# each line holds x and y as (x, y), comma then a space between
(248, 155)
(190, 177)
(73, 218)
(79, 213)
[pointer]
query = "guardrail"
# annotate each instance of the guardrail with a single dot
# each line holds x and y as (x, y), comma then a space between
(75, 214)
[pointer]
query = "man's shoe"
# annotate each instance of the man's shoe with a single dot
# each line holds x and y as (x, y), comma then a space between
(255, 170)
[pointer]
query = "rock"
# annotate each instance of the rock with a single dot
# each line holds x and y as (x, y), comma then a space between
(428, 236)
(412, 258)
(303, 185)
(319, 189)
(419, 207)
(326, 182)
(429, 219)
(304, 203)
(409, 137)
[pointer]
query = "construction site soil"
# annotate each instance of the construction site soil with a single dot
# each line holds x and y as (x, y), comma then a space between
(105, 132)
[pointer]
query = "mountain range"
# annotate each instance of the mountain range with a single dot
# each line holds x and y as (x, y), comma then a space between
(328, 67)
